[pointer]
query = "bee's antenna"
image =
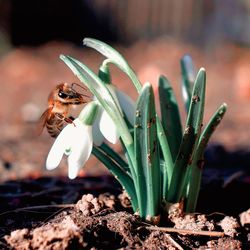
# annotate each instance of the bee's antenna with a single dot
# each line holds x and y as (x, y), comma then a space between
(79, 85)
(82, 87)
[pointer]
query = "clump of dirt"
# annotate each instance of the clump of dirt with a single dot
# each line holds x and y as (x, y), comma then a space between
(229, 225)
(101, 223)
(245, 217)
(193, 222)
(53, 235)
(89, 205)
(223, 243)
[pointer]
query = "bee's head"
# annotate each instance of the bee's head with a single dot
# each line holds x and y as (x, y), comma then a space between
(68, 94)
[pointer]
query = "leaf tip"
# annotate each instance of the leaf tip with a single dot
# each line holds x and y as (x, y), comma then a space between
(202, 70)
(223, 107)
(62, 57)
(87, 41)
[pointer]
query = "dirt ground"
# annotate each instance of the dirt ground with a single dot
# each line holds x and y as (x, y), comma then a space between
(104, 223)
(27, 75)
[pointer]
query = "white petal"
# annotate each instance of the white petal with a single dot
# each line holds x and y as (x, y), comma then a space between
(127, 105)
(108, 128)
(56, 152)
(98, 138)
(81, 151)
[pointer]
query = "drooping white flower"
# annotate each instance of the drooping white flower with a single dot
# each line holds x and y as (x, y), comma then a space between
(75, 141)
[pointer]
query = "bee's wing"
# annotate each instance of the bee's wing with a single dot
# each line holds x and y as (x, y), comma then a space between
(42, 121)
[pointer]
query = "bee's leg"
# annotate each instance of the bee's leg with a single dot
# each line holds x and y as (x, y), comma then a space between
(59, 116)
(64, 118)
(69, 120)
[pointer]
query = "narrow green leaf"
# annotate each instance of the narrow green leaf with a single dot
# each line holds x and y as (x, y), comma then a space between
(188, 78)
(167, 170)
(122, 176)
(211, 126)
(115, 156)
(190, 138)
(194, 178)
(170, 115)
(196, 111)
(147, 153)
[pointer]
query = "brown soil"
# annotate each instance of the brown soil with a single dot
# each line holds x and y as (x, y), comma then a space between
(97, 226)
(62, 214)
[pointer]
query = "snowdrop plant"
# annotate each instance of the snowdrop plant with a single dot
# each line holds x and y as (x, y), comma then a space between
(162, 161)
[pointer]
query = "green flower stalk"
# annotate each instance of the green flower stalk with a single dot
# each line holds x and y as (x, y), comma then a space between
(162, 161)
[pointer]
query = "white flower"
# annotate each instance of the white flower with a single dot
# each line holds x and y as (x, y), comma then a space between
(104, 126)
(76, 141)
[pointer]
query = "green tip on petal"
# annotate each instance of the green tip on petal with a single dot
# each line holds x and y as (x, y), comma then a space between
(67, 151)
(88, 114)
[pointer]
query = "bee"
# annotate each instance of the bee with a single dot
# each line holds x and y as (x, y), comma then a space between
(60, 102)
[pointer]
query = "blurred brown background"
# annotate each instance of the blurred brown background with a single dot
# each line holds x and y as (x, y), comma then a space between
(152, 35)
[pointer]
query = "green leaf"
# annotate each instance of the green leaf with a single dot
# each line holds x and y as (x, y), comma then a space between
(211, 126)
(188, 78)
(194, 177)
(168, 166)
(147, 153)
(115, 156)
(190, 138)
(170, 116)
(121, 175)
